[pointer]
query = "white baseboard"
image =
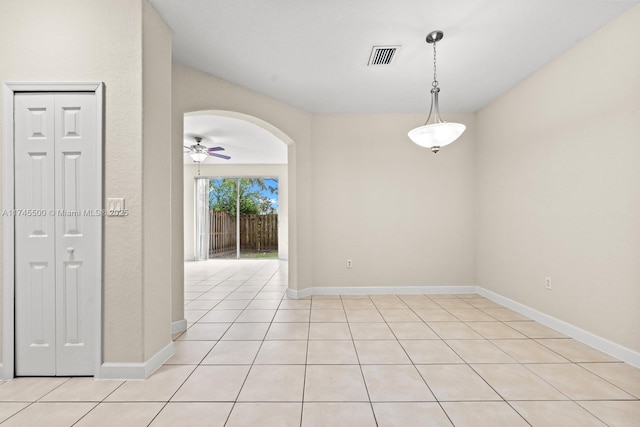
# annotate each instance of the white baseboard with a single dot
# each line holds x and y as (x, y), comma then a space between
(178, 326)
(604, 345)
(380, 290)
(136, 371)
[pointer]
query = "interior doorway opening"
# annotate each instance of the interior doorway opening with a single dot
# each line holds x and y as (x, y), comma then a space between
(254, 169)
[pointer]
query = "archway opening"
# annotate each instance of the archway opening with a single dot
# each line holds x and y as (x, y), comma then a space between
(254, 154)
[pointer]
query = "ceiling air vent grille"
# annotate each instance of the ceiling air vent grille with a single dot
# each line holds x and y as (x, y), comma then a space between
(382, 55)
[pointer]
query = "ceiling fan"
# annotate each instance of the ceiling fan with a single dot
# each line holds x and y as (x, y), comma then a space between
(199, 152)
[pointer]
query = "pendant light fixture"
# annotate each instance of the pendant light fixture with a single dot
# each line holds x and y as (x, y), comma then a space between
(436, 133)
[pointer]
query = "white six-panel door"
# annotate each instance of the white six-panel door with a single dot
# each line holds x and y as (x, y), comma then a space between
(57, 224)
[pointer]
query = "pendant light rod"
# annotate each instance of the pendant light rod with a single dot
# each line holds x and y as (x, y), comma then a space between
(432, 38)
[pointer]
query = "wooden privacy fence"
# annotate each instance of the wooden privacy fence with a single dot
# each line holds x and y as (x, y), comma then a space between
(257, 232)
(222, 229)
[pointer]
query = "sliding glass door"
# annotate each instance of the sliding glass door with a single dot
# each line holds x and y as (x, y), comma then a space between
(242, 217)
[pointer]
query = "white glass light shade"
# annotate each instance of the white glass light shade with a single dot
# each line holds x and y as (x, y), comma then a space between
(436, 134)
(198, 157)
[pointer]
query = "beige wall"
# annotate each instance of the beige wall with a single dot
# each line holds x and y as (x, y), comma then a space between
(196, 91)
(102, 40)
(559, 186)
(156, 97)
(349, 165)
(403, 215)
(222, 171)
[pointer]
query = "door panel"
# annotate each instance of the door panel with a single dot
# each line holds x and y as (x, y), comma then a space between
(56, 251)
(76, 232)
(70, 177)
(34, 235)
(37, 293)
(72, 326)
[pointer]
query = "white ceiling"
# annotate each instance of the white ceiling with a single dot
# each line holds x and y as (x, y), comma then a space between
(313, 53)
(245, 142)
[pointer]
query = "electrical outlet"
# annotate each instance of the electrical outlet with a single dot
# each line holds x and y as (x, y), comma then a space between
(547, 283)
(349, 263)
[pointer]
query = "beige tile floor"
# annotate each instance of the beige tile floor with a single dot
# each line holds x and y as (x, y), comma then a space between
(252, 357)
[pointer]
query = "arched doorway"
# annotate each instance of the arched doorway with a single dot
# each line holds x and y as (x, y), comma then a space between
(178, 321)
(250, 148)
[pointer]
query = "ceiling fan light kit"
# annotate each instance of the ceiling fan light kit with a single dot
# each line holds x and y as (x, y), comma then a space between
(436, 133)
(198, 157)
(199, 152)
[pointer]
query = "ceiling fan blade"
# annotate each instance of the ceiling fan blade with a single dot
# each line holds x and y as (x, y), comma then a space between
(222, 156)
(187, 147)
(215, 149)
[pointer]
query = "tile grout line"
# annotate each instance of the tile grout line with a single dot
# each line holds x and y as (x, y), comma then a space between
(306, 359)
(413, 363)
(364, 381)
(254, 357)
(468, 365)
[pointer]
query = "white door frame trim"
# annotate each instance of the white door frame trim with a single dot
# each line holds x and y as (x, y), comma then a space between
(7, 369)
